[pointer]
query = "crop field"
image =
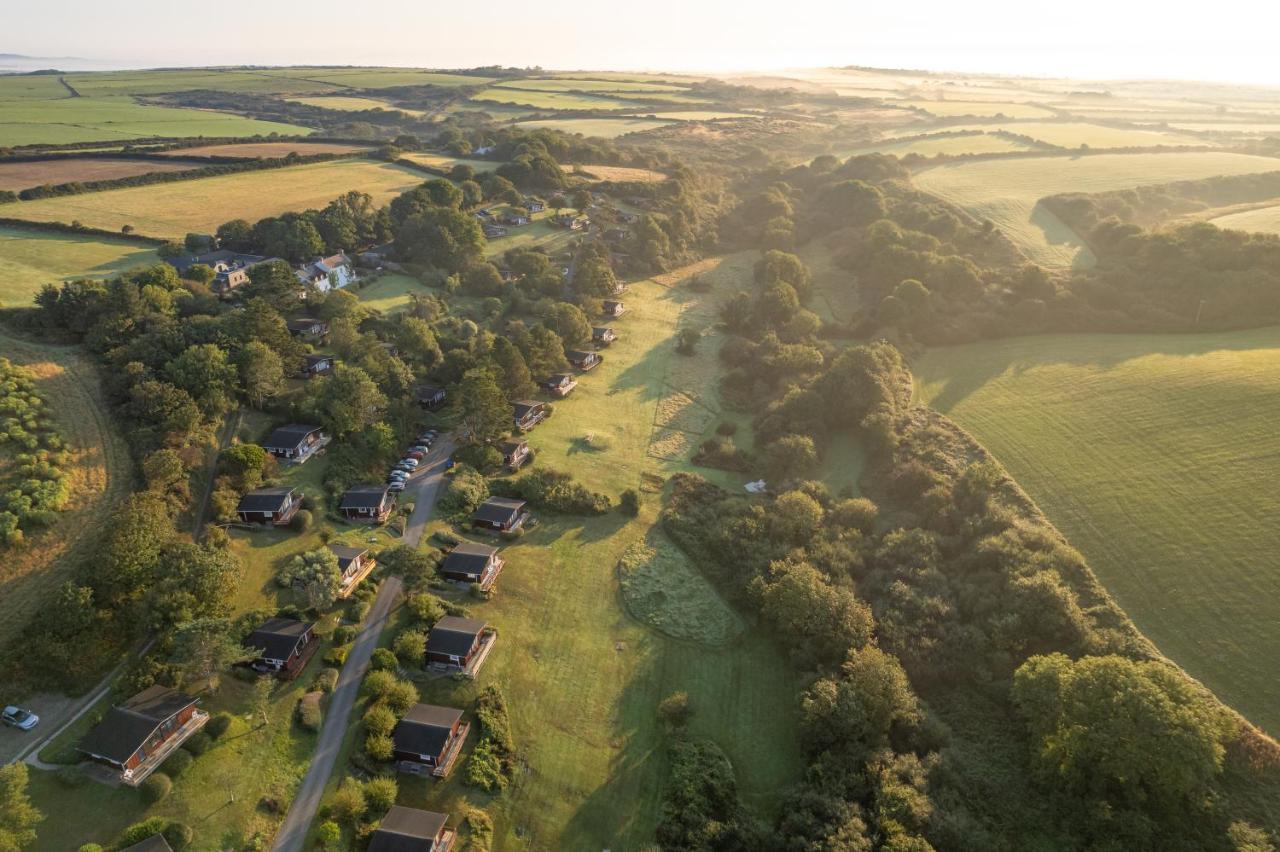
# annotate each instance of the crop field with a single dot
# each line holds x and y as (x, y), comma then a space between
(992, 109)
(1262, 219)
(1008, 191)
(375, 78)
(350, 104)
(605, 128)
(700, 115)
(582, 674)
(564, 84)
(976, 143)
(29, 259)
(100, 477)
(31, 121)
(623, 173)
(264, 149)
(161, 82)
(443, 161)
(175, 209)
(550, 100)
(1157, 456)
(23, 175)
(664, 97)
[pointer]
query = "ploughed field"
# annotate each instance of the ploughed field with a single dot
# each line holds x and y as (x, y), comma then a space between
(1157, 457)
(1008, 192)
(20, 175)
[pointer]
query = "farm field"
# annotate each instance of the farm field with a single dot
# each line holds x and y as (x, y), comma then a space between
(350, 104)
(1263, 219)
(1155, 455)
(1073, 134)
(264, 149)
(605, 128)
(390, 293)
(1242, 128)
(443, 161)
(174, 209)
(29, 259)
(977, 143)
(374, 78)
(569, 84)
(31, 121)
(550, 100)
(699, 115)
(24, 175)
(1008, 191)
(623, 173)
(993, 109)
(183, 80)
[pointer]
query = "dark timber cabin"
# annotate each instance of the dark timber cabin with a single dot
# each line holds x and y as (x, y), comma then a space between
(527, 413)
(499, 514)
(281, 644)
(275, 506)
(614, 308)
(583, 359)
(602, 335)
(470, 562)
(316, 365)
(296, 442)
(368, 503)
(430, 397)
(514, 453)
(352, 562)
(560, 385)
(411, 830)
(428, 739)
(454, 641)
(154, 843)
(139, 734)
(308, 327)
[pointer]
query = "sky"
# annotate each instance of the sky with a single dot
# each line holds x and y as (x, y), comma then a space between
(1230, 40)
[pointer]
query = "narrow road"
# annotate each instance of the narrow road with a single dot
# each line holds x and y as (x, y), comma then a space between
(293, 833)
(426, 487)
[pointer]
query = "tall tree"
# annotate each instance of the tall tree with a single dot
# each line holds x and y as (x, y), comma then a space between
(485, 410)
(18, 817)
(205, 647)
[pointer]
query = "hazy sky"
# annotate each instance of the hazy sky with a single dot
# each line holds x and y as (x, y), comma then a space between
(1232, 40)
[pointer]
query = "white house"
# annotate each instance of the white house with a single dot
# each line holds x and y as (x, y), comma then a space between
(326, 273)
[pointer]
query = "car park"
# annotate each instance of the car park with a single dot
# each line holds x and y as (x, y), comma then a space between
(396, 487)
(16, 717)
(411, 462)
(416, 455)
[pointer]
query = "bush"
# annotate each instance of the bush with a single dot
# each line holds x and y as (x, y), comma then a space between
(157, 787)
(179, 834)
(178, 763)
(466, 490)
(344, 634)
(559, 492)
(140, 831)
(302, 521)
(379, 720)
(357, 611)
(482, 457)
(401, 697)
(727, 428)
(378, 684)
(347, 803)
(383, 660)
(218, 725)
(199, 743)
(380, 795)
(309, 714)
(90, 847)
(379, 747)
(674, 710)
(337, 655)
(326, 680)
(329, 833)
(410, 646)
(629, 503)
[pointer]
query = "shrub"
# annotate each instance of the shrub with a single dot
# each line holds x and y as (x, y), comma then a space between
(157, 787)
(482, 457)
(379, 719)
(344, 634)
(410, 646)
(559, 492)
(401, 697)
(378, 684)
(674, 710)
(379, 747)
(466, 490)
(347, 803)
(337, 655)
(480, 827)
(857, 513)
(687, 341)
(380, 795)
(179, 834)
(493, 759)
(199, 743)
(302, 521)
(727, 428)
(90, 847)
(629, 503)
(383, 660)
(218, 725)
(178, 763)
(140, 831)
(357, 611)
(329, 833)
(326, 680)
(309, 713)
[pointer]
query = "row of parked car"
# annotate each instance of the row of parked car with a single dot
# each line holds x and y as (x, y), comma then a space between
(413, 457)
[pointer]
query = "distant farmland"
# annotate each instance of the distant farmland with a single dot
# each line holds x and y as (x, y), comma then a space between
(951, 109)
(551, 100)
(1073, 134)
(606, 128)
(172, 210)
(1008, 191)
(24, 175)
(1157, 456)
(264, 149)
(350, 104)
(1263, 219)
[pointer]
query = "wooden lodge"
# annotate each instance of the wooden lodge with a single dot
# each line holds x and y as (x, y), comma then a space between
(308, 328)
(368, 503)
(355, 563)
(316, 365)
(430, 397)
(275, 506)
(429, 739)
(470, 562)
(296, 442)
(613, 308)
(584, 359)
(514, 453)
(411, 830)
(459, 644)
(154, 843)
(499, 514)
(283, 644)
(138, 735)
(527, 413)
(559, 385)
(602, 335)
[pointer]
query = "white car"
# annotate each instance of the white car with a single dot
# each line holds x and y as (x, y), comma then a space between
(396, 487)
(16, 717)
(412, 463)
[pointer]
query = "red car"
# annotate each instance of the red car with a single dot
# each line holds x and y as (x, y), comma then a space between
(415, 455)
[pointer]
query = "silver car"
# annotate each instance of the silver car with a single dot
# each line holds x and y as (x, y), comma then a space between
(16, 717)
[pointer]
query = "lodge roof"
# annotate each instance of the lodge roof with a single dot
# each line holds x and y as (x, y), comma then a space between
(407, 830)
(453, 635)
(364, 497)
(277, 638)
(468, 558)
(289, 437)
(126, 726)
(498, 510)
(425, 729)
(346, 555)
(273, 499)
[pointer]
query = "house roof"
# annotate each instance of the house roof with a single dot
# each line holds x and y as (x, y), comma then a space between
(312, 360)
(425, 729)
(277, 638)
(498, 510)
(303, 323)
(265, 499)
(509, 447)
(407, 830)
(468, 558)
(524, 407)
(154, 843)
(558, 379)
(364, 497)
(288, 437)
(126, 726)
(346, 555)
(601, 330)
(429, 391)
(576, 355)
(211, 258)
(453, 635)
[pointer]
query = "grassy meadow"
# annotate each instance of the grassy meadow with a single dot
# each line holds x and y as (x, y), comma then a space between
(991, 109)
(30, 259)
(347, 103)
(1156, 455)
(1008, 191)
(444, 161)
(1074, 134)
(605, 128)
(252, 149)
(974, 143)
(390, 293)
(550, 100)
(566, 84)
(1262, 219)
(174, 209)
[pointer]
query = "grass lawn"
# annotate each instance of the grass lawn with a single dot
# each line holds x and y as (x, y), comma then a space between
(1157, 456)
(540, 232)
(29, 259)
(1073, 134)
(390, 293)
(174, 209)
(100, 477)
(1008, 191)
(377, 78)
(605, 128)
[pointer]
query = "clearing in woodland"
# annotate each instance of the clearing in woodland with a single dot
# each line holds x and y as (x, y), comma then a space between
(1156, 455)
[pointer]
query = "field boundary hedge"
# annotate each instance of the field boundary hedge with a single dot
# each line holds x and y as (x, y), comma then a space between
(85, 230)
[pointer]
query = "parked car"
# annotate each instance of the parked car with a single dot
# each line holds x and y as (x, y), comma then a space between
(411, 462)
(421, 448)
(416, 455)
(16, 717)
(396, 487)
(429, 435)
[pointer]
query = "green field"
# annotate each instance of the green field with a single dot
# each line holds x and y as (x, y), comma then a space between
(564, 84)
(606, 128)
(442, 161)
(1008, 191)
(1157, 456)
(992, 109)
(1073, 134)
(376, 78)
(550, 100)
(62, 119)
(390, 293)
(699, 115)
(1263, 219)
(982, 143)
(184, 80)
(350, 104)
(30, 259)
(174, 209)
